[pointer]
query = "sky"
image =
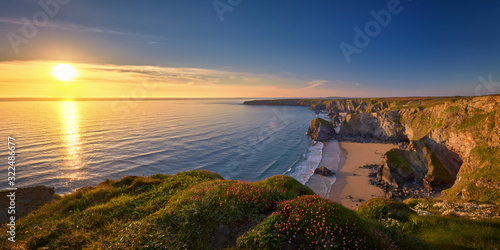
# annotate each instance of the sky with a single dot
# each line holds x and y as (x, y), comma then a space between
(243, 48)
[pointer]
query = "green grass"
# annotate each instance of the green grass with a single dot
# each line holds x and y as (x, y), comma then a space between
(324, 122)
(94, 217)
(383, 208)
(200, 210)
(474, 120)
(432, 231)
(453, 109)
(160, 211)
(488, 170)
(487, 154)
(193, 216)
(438, 124)
(455, 233)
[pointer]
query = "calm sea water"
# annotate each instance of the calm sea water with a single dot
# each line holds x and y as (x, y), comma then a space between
(72, 144)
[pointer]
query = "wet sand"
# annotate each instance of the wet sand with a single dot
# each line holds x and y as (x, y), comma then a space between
(352, 185)
(332, 159)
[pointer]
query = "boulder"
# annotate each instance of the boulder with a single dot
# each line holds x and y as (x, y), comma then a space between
(321, 129)
(324, 171)
(26, 200)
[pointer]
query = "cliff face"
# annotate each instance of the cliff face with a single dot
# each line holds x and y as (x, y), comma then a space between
(321, 129)
(450, 143)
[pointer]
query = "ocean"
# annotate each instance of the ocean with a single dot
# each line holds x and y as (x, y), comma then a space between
(71, 144)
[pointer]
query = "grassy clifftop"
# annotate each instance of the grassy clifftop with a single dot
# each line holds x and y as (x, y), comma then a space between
(200, 210)
(194, 210)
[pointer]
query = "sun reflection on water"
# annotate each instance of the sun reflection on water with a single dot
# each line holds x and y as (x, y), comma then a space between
(71, 139)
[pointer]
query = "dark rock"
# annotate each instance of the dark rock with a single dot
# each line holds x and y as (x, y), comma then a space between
(324, 171)
(26, 200)
(321, 129)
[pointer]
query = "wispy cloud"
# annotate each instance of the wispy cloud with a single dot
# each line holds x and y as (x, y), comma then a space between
(315, 83)
(110, 80)
(74, 27)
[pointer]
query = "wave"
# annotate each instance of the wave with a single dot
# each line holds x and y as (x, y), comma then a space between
(305, 169)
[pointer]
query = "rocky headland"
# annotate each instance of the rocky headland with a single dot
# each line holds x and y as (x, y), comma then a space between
(448, 144)
(321, 130)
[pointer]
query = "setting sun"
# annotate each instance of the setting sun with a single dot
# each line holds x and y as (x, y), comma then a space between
(64, 72)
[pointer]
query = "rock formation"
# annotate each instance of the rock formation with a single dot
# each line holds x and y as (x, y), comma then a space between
(449, 142)
(26, 200)
(321, 129)
(324, 171)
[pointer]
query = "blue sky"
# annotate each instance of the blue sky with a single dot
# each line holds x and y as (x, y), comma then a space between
(427, 48)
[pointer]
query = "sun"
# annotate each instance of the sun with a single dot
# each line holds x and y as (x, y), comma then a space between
(64, 72)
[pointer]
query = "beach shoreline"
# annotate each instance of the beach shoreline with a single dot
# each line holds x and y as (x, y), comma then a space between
(332, 159)
(352, 185)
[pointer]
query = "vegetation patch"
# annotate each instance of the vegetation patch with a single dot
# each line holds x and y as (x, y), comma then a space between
(383, 208)
(453, 109)
(480, 184)
(438, 124)
(397, 159)
(322, 122)
(312, 222)
(188, 209)
(474, 120)
(193, 216)
(443, 232)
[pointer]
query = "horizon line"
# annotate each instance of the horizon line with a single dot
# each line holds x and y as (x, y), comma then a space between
(5, 99)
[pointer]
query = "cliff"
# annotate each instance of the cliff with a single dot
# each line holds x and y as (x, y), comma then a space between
(447, 143)
(452, 143)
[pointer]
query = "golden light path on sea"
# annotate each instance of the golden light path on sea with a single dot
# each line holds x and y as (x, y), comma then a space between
(71, 139)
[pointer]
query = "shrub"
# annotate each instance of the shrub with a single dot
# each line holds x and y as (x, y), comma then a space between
(384, 208)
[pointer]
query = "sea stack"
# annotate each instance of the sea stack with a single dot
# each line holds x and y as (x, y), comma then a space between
(321, 129)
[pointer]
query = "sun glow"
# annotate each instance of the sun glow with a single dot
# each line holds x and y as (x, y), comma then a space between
(64, 72)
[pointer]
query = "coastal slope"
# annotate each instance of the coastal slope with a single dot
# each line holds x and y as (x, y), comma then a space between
(196, 210)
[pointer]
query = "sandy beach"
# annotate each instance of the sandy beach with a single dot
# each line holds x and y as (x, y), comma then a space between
(352, 184)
